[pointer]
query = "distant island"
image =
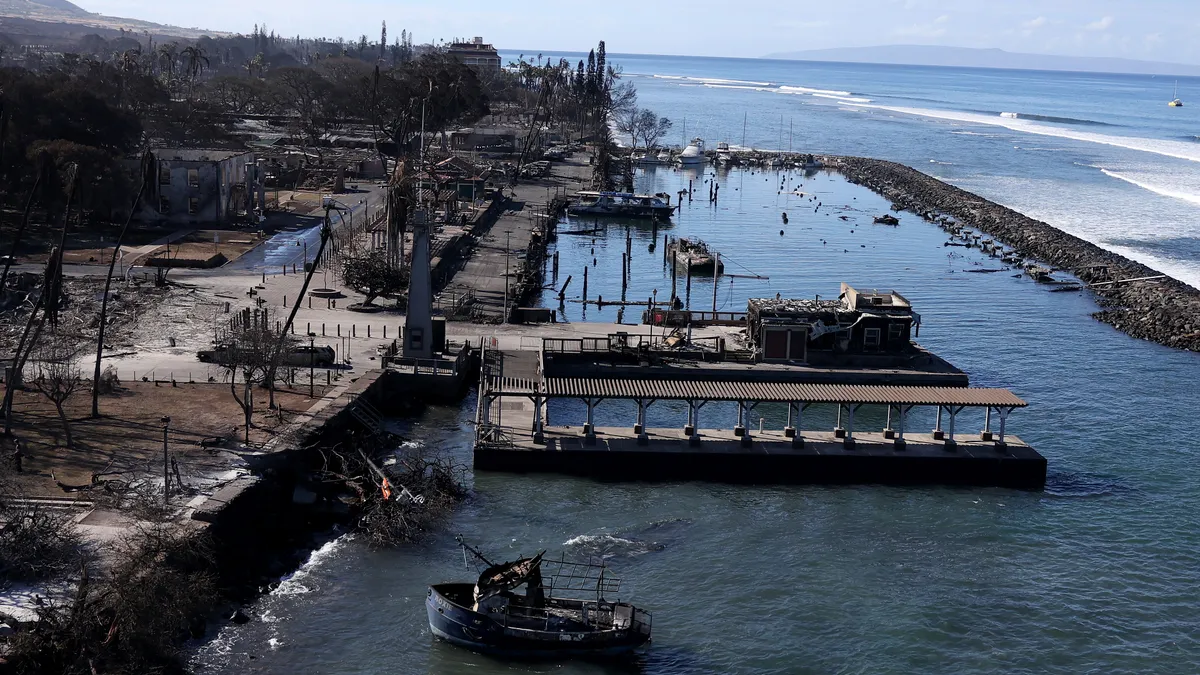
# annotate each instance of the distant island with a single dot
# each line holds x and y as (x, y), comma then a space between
(929, 55)
(61, 17)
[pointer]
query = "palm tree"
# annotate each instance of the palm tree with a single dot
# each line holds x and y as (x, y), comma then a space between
(195, 61)
(167, 57)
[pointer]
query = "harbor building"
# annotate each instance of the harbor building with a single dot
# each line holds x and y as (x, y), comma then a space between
(476, 54)
(856, 322)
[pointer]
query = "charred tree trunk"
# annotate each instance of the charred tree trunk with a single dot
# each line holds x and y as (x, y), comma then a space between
(274, 365)
(108, 285)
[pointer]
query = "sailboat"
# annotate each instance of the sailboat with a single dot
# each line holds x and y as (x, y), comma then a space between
(1175, 102)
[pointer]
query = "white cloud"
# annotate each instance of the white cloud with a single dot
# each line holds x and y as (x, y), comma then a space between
(1100, 24)
(1034, 24)
(935, 28)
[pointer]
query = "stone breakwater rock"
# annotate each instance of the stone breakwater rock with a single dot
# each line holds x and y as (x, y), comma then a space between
(1166, 311)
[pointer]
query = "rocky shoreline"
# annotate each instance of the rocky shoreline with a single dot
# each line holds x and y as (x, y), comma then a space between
(1166, 311)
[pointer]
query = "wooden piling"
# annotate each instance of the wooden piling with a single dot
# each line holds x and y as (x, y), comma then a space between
(585, 275)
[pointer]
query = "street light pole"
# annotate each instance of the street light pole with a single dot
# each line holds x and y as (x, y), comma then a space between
(312, 358)
(507, 248)
(166, 422)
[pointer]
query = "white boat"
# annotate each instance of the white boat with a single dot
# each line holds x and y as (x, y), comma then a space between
(647, 159)
(724, 156)
(664, 157)
(693, 153)
(1176, 103)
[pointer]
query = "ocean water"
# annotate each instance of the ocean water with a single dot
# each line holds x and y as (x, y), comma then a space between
(1095, 574)
(1099, 156)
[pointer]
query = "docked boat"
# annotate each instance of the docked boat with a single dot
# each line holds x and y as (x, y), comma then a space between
(724, 154)
(693, 153)
(649, 159)
(621, 204)
(537, 608)
(695, 255)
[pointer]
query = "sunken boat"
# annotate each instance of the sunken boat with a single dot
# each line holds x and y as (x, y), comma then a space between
(695, 255)
(537, 608)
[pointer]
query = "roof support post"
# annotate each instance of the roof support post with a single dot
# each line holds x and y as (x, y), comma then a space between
(838, 431)
(789, 431)
(640, 428)
(938, 434)
(951, 444)
(986, 434)
(798, 431)
(888, 432)
(851, 408)
(694, 434)
(903, 413)
(1004, 413)
(539, 435)
(589, 429)
(740, 428)
(689, 429)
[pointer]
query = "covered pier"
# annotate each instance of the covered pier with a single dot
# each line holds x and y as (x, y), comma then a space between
(513, 433)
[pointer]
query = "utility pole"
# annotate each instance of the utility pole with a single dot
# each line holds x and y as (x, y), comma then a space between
(312, 358)
(166, 422)
(507, 248)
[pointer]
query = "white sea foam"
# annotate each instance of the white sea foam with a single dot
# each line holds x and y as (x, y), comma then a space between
(1166, 148)
(788, 89)
(748, 87)
(844, 99)
(718, 80)
(1190, 197)
(294, 583)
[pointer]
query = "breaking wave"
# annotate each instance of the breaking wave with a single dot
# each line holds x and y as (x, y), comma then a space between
(713, 80)
(845, 99)
(300, 581)
(1190, 197)
(787, 89)
(1166, 148)
(1052, 118)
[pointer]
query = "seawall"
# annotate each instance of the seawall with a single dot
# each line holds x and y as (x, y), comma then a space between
(1166, 311)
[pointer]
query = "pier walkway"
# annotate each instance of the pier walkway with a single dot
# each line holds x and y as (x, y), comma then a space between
(505, 242)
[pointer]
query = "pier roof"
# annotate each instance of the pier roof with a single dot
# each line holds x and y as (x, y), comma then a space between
(784, 392)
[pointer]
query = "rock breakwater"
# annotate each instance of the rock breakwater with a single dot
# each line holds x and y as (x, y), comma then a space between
(1165, 310)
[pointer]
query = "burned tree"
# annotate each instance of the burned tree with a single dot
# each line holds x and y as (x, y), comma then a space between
(372, 275)
(147, 173)
(58, 378)
(247, 352)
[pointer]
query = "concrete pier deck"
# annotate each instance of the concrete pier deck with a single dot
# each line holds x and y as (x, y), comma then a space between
(770, 458)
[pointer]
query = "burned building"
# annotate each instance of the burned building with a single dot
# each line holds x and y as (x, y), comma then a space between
(203, 187)
(855, 323)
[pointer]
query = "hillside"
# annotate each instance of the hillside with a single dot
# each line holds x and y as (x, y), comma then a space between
(930, 55)
(64, 16)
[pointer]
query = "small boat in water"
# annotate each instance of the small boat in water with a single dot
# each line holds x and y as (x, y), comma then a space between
(693, 153)
(562, 611)
(649, 159)
(724, 155)
(695, 255)
(1175, 101)
(622, 205)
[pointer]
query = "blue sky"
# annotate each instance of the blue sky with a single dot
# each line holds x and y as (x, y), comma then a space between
(1161, 30)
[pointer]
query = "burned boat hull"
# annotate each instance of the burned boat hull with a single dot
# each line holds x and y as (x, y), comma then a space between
(457, 623)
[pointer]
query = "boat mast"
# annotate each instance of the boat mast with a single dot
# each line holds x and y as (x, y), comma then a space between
(789, 136)
(476, 553)
(743, 130)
